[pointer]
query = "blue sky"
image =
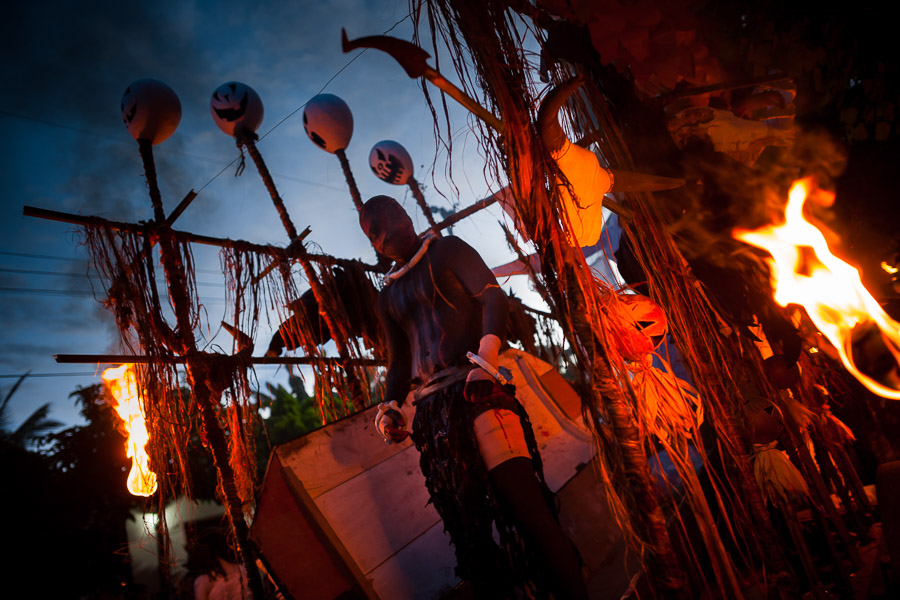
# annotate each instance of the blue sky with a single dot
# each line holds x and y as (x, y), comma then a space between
(64, 70)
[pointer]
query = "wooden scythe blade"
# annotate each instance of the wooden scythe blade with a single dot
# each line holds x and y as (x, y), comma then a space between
(412, 59)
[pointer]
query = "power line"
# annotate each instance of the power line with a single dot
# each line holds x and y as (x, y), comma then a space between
(85, 275)
(45, 292)
(74, 293)
(91, 373)
(77, 374)
(80, 260)
(43, 256)
(16, 115)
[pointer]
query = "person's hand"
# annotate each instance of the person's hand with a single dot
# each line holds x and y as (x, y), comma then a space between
(391, 423)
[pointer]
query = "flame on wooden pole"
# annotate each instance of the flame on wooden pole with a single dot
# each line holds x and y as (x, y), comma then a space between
(122, 384)
(807, 273)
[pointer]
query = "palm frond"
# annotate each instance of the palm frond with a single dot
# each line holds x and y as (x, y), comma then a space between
(4, 413)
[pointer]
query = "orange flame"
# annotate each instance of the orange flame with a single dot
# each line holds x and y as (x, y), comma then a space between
(805, 272)
(122, 385)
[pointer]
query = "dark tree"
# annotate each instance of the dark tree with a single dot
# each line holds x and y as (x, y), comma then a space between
(67, 506)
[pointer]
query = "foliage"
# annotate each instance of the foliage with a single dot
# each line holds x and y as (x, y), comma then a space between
(70, 505)
(292, 412)
(31, 428)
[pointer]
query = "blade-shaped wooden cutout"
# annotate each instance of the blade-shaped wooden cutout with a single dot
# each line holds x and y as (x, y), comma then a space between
(411, 57)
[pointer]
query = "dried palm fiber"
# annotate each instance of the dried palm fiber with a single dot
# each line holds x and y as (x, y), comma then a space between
(777, 477)
(822, 507)
(804, 419)
(128, 259)
(836, 436)
(834, 430)
(670, 405)
(239, 419)
(671, 414)
(711, 360)
(327, 297)
(726, 495)
(487, 53)
(250, 294)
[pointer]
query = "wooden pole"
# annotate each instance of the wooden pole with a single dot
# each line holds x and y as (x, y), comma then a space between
(117, 359)
(199, 372)
(420, 200)
(185, 236)
(351, 181)
(339, 333)
(462, 214)
(246, 139)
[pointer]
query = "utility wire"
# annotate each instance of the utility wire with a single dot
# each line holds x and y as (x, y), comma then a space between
(12, 114)
(80, 260)
(90, 373)
(299, 108)
(74, 293)
(86, 276)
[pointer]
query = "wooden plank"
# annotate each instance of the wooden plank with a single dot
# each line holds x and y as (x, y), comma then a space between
(557, 400)
(423, 569)
(331, 541)
(563, 457)
(381, 510)
(373, 496)
(300, 563)
(587, 520)
(327, 457)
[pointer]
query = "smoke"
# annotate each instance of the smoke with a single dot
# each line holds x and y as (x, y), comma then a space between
(74, 62)
(724, 194)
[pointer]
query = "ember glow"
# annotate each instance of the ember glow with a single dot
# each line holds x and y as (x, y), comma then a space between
(122, 385)
(805, 272)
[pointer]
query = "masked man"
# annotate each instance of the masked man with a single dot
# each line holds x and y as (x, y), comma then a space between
(478, 452)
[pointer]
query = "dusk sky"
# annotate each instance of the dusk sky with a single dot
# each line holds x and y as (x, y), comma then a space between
(65, 68)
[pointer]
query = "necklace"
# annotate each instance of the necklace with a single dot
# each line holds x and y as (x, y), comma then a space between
(396, 273)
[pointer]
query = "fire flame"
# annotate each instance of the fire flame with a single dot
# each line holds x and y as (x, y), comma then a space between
(122, 384)
(805, 272)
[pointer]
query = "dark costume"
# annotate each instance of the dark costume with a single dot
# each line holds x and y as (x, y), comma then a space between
(438, 304)
(458, 484)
